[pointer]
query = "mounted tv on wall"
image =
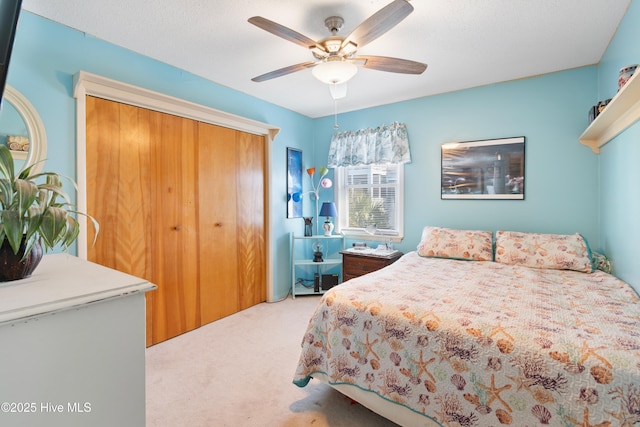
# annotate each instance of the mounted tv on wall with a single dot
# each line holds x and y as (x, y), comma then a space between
(9, 13)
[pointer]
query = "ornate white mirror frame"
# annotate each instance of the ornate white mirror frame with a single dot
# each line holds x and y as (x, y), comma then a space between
(35, 128)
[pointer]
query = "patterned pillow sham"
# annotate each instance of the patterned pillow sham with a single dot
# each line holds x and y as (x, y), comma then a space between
(470, 245)
(550, 251)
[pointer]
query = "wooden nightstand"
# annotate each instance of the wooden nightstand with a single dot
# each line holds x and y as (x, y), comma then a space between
(356, 262)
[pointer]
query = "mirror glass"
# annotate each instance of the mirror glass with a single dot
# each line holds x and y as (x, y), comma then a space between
(21, 129)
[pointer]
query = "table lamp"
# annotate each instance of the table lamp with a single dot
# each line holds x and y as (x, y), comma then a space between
(328, 209)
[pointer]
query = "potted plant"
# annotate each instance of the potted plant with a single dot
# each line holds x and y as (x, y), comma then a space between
(35, 214)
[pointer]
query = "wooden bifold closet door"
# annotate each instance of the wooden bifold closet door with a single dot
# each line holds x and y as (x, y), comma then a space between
(181, 204)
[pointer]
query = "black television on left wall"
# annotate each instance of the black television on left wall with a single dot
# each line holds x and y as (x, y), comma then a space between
(9, 13)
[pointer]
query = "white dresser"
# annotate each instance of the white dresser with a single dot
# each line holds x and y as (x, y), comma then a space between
(72, 346)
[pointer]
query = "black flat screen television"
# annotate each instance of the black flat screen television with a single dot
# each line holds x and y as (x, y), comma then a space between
(9, 13)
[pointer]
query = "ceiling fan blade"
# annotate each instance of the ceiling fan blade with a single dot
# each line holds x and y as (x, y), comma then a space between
(379, 23)
(392, 65)
(284, 71)
(285, 33)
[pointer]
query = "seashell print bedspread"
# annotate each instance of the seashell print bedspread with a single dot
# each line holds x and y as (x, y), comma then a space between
(482, 343)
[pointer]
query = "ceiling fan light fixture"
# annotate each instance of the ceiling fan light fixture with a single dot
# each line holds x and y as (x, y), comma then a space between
(334, 72)
(338, 90)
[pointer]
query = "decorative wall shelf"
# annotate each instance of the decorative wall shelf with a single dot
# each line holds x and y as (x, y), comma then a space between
(19, 155)
(623, 111)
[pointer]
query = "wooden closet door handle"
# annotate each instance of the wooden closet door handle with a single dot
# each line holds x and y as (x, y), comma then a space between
(217, 224)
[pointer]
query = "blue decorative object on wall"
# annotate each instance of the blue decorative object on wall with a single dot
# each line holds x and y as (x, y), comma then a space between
(294, 183)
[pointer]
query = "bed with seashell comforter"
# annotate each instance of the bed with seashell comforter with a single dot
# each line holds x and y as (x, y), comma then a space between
(459, 334)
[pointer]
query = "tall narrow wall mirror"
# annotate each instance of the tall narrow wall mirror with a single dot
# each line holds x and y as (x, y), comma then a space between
(22, 130)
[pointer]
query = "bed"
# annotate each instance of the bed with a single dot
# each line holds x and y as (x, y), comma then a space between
(475, 330)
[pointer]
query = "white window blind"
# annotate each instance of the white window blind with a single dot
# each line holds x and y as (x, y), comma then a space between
(369, 196)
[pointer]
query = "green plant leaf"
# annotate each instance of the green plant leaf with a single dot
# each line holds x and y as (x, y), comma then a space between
(29, 244)
(54, 221)
(7, 168)
(71, 233)
(34, 219)
(6, 192)
(96, 225)
(55, 179)
(26, 172)
(13, 228)
(52, 192)
(26, 193)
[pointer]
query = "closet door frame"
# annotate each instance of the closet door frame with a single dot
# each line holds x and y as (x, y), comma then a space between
(85, 83)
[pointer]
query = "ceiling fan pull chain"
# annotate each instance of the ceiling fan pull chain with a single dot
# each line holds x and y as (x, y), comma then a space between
(335, 114)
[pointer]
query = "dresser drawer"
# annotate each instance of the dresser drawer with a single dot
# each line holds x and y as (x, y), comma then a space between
(359, 265)
(354, 265)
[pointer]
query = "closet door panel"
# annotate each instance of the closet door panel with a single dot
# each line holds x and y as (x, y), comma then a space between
(173, 226)
(118, 189)
(251, 219)
(117, 170)
(218, 245)
(141, 187)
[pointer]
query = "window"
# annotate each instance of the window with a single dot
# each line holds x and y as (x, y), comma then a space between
(370, 196)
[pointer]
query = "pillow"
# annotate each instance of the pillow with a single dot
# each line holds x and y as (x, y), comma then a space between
(552, 251)
(601, 262)
(468, 245)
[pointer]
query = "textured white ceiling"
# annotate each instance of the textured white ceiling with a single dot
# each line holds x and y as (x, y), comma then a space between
(466, 43)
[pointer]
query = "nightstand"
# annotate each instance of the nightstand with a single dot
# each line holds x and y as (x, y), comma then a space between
(359, 261)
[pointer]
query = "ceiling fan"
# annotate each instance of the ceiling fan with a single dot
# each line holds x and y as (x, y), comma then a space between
(336, 59)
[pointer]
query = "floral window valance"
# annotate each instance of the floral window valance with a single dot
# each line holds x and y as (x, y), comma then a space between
(382, 145)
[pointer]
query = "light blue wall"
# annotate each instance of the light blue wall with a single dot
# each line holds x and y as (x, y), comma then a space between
(45, 57)
(561, 174)
(619, 160)
(550, 111)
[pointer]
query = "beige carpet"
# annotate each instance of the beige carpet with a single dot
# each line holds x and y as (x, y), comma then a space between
(238, 371)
